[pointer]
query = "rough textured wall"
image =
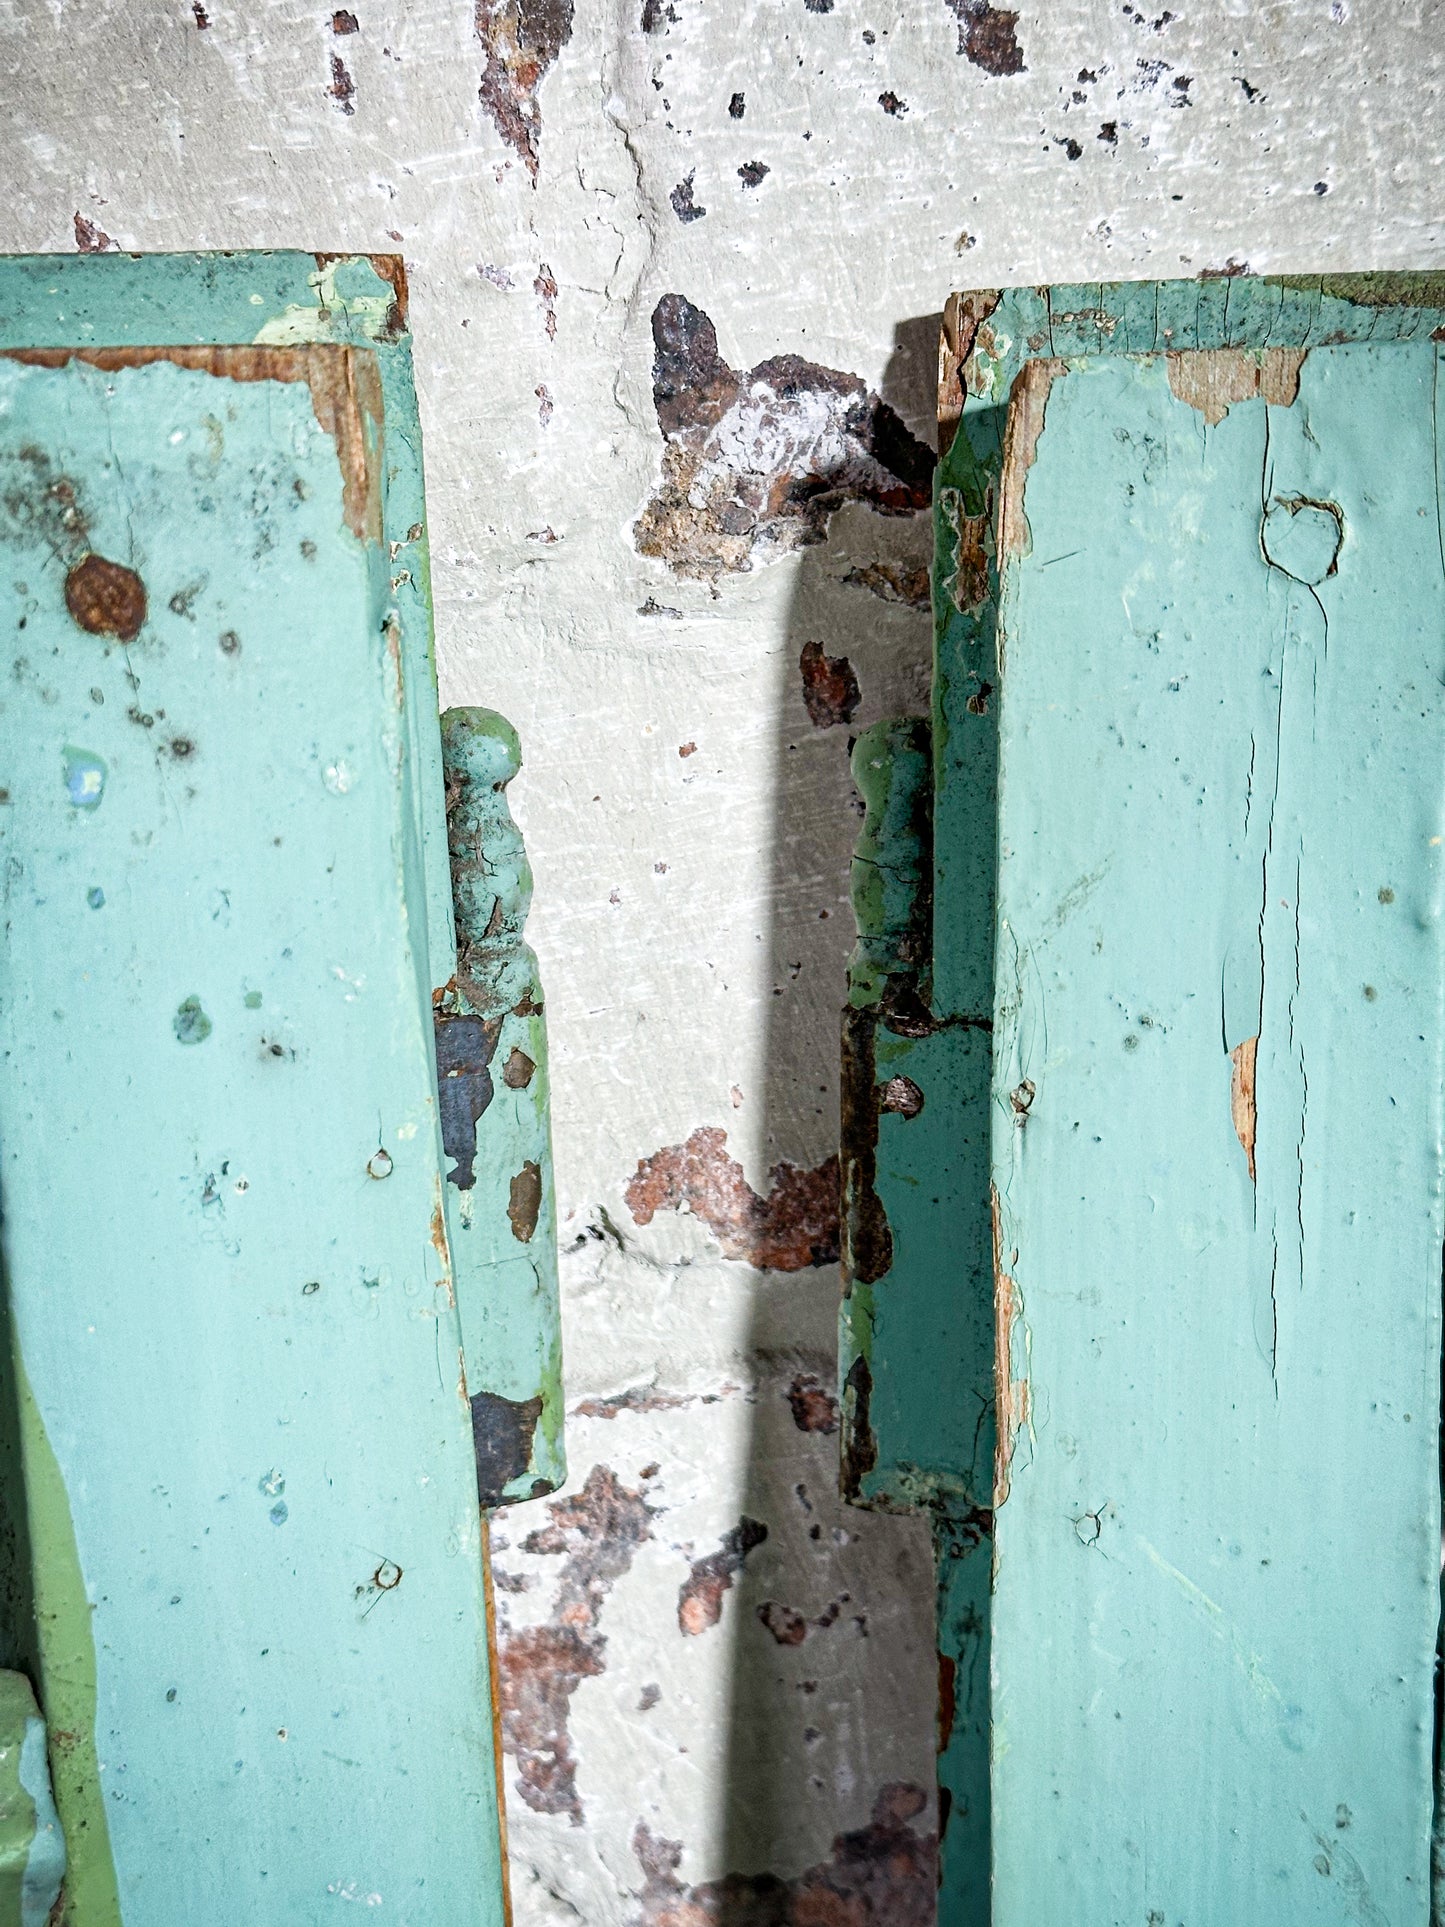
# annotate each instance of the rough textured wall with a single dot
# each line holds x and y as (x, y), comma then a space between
(674, 268)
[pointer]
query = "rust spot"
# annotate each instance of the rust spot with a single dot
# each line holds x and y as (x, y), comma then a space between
(545, 289)
(794, 1226)
(344, 22)
(815, 1409)
(700, 1596)
(1027, 405)
(91, 239)
(345, 386)
(901, 1096)
(754, 463)
(106, 598)
(525, 1201)
(343, 88)
(518, 1070)
(687, 749)
(753, 173)
(891, 104)
(989, 37)
(1241, 1096)
(892, 582)
(502, 1431)
(1213, 379)
(947, 1699)
(201, 17)
(539, 1668)
(881, 1875)
(788, 1627)
(830, 687)
(683, 205)
(522, 39)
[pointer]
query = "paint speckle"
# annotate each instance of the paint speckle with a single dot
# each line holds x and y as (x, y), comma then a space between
(279, 1513)
(95, 897)
(379, 1164)
(85, 775)
(190, 1023)
(272, 1484)
(891, 104)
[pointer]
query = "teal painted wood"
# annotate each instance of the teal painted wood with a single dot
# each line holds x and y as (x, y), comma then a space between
(1220, 821)
(32, 1846)
(501, 1203)
(329, 1736)
(992, 336)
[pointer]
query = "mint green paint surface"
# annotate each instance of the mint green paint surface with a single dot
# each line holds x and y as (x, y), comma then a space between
(1220, 818)
(32, 1847)
(1174, 1385)
(501, 1202)
(215, 989)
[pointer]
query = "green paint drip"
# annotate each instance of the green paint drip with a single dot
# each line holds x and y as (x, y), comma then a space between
(67, 1669)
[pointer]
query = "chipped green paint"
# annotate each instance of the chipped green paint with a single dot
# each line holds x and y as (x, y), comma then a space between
(501, 1207)
(1270, 326)
(245, 1381)
(32, 1847)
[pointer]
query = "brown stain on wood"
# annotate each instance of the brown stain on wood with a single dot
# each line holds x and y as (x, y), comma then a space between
(1011, 1395)
(525, 1201)
(345, 385)
(1027, 407)
(1241, 1096)
(1213, 379)
(392, 269)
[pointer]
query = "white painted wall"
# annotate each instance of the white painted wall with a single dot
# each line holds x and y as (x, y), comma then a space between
(1308, 138)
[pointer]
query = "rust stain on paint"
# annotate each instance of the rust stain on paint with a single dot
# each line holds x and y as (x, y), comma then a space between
(756, 460)
(1027, 407)
(598, 1532)
(786, 1625)
(502, 1432)
(522, 39)
(988, 35)
(882, 1875)
(892, 582)
(106, 598)
(1241, 1096)
(830, 687)
(814, 1407)
(1213, 379)
(89, 238)
(794, 1226)
(700, 1597)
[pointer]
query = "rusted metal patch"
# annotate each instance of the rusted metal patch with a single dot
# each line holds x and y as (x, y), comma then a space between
(106, 598)
(755, 462)
(539, 1668)
(502, 1431)
(881, 1875)
(345, 386)
(1213, 379)
(522, 39)
(794, 1226)
(1241, 1096)
(700, 1596)
(830, 687)
(988, 35)
(814, 1406)
(1027, 407)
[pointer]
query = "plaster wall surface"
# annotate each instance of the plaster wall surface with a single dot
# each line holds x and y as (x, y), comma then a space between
(712, 1668)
